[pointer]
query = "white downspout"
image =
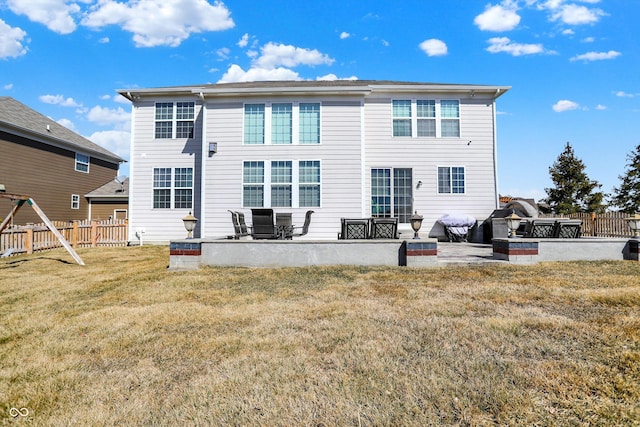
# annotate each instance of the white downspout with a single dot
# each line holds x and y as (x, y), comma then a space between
(363, 178)
(495, 152)
(204, 155)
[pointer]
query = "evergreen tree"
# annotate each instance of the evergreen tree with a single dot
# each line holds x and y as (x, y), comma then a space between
(574, 191)
(627, 196)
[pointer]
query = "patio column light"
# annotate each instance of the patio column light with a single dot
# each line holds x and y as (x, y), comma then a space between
(634, 224)
(190, 224)
(513, 222)
(416, 223)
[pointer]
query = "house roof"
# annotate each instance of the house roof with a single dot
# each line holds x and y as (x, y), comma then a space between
(17, 118)
(361, 87)
(113, 189)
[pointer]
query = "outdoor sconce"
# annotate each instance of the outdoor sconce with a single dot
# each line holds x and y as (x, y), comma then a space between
(513, 222)
(190, 224)
(634, 224)
(213, 148)
(416, 223)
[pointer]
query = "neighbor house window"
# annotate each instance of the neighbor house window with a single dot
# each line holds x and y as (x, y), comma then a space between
(426, 118)
(178, 118)
(309, 183)
(82, 163)
(392, 193)
(288, 184)
(310, 123)
(281, 183)
(451, 180)
(281, 123)
(254, 124)
(253, 184)
(75, 201)
(172, 188)
(401, 118)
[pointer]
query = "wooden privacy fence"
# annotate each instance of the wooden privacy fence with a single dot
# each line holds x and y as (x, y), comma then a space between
(608, 224)
(80, 234)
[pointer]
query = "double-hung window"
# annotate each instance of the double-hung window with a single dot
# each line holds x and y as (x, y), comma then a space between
(174, 120)
(281, 183)
(392, 193)
(451, 180)
(401, 118)
(282, 123)
(75, 201)
(426, 118)
(289, 184)
(172, 188)
(82, 162)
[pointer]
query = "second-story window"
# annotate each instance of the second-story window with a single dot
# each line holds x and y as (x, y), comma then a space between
(426, 118)
(82, 162)
(174, 120)
(282, 123)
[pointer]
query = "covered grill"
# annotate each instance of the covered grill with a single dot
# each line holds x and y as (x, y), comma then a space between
(456, 227)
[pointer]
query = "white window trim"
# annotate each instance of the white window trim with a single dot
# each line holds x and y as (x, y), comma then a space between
(172, 188)
(451, 193)
(75, 201)
(78, 162)
(174, 118)
(438, 118)
(295, 182)
(295, 122)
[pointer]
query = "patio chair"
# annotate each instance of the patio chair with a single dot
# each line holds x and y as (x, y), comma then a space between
(539, 228)
(567, 229)
(384, 228)
(239, 227)
(263, 226)
(284, 225)
(354, 228)
(305, 227)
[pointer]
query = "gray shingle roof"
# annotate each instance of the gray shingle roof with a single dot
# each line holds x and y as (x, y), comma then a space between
(17, 116)
(111, 189)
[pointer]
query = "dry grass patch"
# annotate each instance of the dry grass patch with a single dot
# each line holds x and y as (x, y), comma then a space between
(123, 341)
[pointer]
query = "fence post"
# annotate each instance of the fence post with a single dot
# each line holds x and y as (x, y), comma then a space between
(28, 240)
(94, 233)
(593, 224)
(74, 236)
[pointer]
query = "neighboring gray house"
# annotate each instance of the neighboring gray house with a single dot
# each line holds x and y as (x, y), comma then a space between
(110, 201)
(349, 149)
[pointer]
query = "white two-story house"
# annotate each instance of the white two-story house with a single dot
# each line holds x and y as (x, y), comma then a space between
(344, 149)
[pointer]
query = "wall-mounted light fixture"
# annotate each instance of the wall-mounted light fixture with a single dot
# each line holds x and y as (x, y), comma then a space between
(419, 184)
(213, 148)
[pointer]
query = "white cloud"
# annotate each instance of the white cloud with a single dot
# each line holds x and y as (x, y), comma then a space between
(223, 53)
(11, 41)
(573, 14)
(434, 47)
(333, 77)
(104, 40)
(8, 86)
(244, 40)
(274, 55)
(596, 56)
(588, 40)
(116, 141)
(344, 35)
(67, 123)
(504, 44)
(501, 17)
(107, 116)
(568, 32)
(623, 94)
(56, 15)
(565, 105)
(235, 73)
(59, 100)
(385, 43)
(601, 107)
(160, 22)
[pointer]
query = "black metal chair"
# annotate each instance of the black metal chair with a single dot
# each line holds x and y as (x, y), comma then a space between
(384, 228)
(305, 227)
(539, 228)
(284, 225)
(567, 229)
(263, 226)
(239, 226)
(354, 228)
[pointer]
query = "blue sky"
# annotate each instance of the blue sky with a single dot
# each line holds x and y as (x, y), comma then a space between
(573, 65)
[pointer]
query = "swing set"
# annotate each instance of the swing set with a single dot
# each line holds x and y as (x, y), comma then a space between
(18, 200)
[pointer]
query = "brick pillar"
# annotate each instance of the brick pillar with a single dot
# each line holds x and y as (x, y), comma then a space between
(421, 253)
(517, 251)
